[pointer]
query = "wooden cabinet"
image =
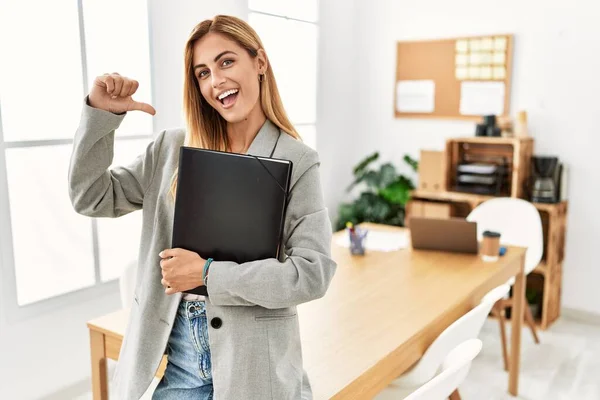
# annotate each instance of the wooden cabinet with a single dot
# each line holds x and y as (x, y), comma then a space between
(429, 209)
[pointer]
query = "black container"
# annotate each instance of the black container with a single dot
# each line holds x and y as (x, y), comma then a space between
(481, 130)
(489, 120)
(493, 131)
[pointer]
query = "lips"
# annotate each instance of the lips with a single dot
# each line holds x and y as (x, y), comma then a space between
(229, 100)
(226, 93)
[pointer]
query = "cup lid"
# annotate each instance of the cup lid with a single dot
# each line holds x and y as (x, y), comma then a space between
(491, 234)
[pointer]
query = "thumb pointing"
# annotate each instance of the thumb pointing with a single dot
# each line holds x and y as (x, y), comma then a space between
(147, 108)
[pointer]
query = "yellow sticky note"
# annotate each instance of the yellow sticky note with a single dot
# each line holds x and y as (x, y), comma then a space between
(487, 44)
(499, 58)
(500, 43)
(475, 58)
(485, 73)
(462, 46)
(485, 58)
(499, 73)
(475, 44)
(462, 73)
(474, 72)
(462, 59)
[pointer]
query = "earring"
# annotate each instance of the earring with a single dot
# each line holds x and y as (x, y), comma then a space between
(261, 77)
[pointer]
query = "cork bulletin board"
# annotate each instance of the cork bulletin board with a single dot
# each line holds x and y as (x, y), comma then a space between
(461, 78)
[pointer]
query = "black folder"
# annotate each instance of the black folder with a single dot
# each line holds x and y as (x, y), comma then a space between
(230, 207)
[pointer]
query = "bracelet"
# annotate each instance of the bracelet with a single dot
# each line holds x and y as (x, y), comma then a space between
(205, 272)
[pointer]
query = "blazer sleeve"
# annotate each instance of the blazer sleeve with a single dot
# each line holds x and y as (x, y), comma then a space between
(308, 268)
(95, 190)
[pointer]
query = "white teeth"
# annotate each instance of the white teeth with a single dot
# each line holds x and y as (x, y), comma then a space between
(227, 93)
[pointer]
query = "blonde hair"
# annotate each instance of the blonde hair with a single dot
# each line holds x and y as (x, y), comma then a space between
(205, 127)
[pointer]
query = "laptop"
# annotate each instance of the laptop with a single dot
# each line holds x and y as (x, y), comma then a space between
(454, 234)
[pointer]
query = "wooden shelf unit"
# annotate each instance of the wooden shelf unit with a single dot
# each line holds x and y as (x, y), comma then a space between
(515, 152)
(441, 201)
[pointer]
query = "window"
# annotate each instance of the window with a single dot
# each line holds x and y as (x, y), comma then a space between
(47, 70)
(288, 30)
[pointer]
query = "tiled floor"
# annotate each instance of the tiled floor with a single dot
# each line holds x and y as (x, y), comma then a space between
(564, 366)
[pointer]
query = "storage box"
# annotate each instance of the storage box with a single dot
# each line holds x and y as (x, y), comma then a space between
(432, 171)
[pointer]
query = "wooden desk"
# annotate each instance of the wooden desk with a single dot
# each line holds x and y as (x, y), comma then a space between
(378, 317)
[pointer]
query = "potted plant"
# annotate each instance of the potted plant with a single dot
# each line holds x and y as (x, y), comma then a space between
(384, 197)
(533, 300)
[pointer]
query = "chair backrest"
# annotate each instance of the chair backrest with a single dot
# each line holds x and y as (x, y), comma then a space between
(454, 370)
(518, 223)
(127, 284)
(466, 327)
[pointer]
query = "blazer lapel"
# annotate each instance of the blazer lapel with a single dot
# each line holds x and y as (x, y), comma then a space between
(264, 143)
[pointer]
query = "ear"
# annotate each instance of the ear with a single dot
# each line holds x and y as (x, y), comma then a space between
(262, 62)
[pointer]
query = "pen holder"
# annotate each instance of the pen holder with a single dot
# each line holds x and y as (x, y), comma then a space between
(357, 241)
(490, 246)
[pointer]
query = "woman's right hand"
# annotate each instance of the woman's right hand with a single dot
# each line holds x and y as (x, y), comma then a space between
(112, 92)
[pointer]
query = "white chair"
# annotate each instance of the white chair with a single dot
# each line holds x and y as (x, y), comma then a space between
(127, 284)
(466, 327)
(455, 369)
(519, 224)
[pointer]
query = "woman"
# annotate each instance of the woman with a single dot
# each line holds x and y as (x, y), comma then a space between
(242, 341)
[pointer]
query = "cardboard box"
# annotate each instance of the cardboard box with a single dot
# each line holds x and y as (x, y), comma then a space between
(432, 171)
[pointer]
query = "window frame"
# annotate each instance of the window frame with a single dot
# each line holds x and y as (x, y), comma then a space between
(316, 23)
(15, 312)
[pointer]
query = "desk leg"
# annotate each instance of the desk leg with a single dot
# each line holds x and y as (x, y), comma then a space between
(517, 314)
(99, 376)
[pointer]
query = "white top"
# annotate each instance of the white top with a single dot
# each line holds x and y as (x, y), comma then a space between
(193, 297)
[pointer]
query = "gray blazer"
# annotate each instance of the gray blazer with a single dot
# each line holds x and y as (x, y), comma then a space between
(256, 352)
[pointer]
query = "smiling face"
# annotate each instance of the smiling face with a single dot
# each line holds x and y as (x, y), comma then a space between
(228, 76)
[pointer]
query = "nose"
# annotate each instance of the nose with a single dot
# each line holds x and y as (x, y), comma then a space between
(217, 79)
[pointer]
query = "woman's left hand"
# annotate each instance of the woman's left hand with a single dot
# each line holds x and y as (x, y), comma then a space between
(181, 270)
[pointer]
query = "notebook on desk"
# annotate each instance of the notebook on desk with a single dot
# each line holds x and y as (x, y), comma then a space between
(454, 234)
(230, 207)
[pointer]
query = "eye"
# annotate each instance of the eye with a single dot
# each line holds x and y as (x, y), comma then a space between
(227, 63)
(203, 73)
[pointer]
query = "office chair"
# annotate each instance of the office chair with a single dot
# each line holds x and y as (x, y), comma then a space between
(454, 370)
(466, 327)
(519, 224)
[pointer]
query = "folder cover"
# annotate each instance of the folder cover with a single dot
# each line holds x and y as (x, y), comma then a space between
(230, 206)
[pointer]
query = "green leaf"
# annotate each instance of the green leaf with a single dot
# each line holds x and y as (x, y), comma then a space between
(407, 181)
(387, 175)
(372, 207)
(358, 170)
(414, 164)
(372, 178)
(347, 213)
(398, 192)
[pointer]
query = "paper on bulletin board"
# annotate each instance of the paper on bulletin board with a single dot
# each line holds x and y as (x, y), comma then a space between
(416, 96)
(482, 98)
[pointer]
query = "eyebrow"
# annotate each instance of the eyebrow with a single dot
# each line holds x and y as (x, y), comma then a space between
(216, 58)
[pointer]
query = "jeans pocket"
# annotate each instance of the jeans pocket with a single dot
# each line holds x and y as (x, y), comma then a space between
(200, 334)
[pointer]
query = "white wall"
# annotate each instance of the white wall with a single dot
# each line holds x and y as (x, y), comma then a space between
(46, 349)
(555, 79)
(337, 102)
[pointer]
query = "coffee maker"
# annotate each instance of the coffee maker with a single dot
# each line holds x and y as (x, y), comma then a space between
(546, 179)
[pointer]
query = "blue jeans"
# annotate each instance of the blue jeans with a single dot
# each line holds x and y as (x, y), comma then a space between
(188, 373)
